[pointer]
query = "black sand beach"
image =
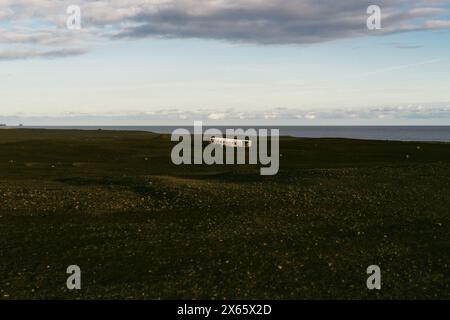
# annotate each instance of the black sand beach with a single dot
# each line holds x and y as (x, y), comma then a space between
(142, 228)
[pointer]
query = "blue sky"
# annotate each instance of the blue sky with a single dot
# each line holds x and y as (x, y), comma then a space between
(136, 65)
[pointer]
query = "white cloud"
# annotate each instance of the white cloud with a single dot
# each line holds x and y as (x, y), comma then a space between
(217, 116)
(310, 116)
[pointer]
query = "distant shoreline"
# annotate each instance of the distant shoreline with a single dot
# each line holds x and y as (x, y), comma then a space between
(378, 133)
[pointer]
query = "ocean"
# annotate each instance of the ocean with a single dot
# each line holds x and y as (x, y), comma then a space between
(399, 133)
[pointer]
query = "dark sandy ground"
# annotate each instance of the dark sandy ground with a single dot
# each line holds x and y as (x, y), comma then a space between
(142, 228)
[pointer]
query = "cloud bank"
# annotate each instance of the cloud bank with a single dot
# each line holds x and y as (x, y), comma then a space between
(411, 114)
(264, 22)
(60, 53)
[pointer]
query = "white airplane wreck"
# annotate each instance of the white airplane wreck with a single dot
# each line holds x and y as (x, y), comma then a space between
(233, 143)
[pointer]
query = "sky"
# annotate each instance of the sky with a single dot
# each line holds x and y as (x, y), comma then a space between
(225, 61)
